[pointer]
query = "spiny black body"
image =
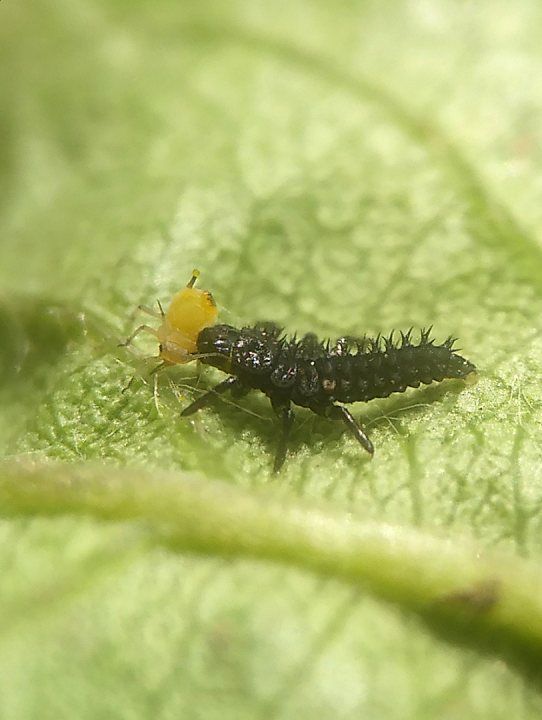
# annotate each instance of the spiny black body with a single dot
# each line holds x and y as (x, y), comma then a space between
(317, 375)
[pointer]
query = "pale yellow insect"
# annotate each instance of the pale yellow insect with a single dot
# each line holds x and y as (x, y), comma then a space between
(189, 311)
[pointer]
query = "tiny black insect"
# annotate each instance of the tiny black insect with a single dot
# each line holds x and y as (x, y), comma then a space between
(319, 375)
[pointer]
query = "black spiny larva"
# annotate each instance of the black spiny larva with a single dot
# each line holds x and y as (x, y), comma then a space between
(320, 376)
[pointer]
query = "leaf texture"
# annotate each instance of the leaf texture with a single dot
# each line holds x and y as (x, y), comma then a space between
(343, 169)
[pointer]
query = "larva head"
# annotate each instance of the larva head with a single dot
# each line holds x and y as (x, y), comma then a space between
(189, 312)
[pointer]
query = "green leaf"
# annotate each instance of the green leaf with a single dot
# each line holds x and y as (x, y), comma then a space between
(339, 168)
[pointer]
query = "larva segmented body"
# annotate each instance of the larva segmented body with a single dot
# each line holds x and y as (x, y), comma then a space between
(317, 375)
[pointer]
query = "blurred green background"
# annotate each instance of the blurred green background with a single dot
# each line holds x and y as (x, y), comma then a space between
(342, 167)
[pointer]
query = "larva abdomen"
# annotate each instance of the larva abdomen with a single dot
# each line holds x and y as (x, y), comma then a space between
(383, 371)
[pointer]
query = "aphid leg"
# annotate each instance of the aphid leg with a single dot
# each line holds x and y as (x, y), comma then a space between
(155, 393)
(155, 388)
(209, 397)
(341, 413)
(287, 416)
(150, 311)
(140, 329)
(128, 385)
(154, 372)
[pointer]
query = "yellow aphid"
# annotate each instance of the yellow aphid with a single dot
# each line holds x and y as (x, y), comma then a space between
(189, 312)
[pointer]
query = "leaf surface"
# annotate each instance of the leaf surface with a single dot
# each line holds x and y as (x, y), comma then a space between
(344, 168)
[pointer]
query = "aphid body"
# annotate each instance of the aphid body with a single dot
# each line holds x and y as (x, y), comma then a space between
(189, 311)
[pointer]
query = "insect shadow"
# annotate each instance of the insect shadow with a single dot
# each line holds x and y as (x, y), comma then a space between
(34, 333)
(392, 410)
(253, 414)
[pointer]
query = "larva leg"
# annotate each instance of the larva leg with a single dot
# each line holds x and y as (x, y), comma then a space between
(340, 412)
(239, 390)
(287, 416)
(209, 397)
(140, 329)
